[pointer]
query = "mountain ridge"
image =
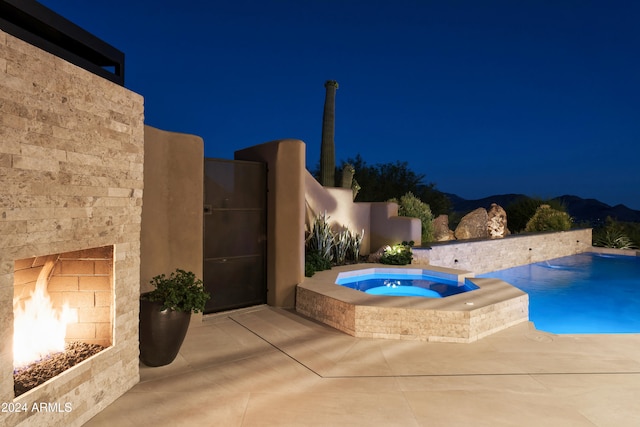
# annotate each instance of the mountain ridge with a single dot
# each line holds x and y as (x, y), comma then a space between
(592, 211)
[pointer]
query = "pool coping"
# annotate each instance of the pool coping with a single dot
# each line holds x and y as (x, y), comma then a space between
(465, 317)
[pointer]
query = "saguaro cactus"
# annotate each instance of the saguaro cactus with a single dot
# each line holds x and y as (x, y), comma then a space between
(327, 146)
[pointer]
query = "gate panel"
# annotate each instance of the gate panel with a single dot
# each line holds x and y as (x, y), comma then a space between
(235, 234)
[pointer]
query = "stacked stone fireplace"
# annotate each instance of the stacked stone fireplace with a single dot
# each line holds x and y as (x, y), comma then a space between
(71, 181)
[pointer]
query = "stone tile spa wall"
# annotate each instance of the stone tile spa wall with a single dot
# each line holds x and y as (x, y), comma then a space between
(483, 256)
(71, 174)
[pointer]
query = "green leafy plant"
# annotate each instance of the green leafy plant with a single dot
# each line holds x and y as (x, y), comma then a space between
(315, 262)
(411, 206)
(181, 291)
(520, 211)
(547, 218)
(399, 254)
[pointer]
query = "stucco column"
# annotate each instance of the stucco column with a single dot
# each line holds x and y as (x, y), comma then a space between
(285, 215)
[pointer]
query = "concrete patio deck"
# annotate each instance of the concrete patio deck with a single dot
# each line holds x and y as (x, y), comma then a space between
(270, 367)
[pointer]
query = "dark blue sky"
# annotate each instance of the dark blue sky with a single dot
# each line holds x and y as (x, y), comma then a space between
(483, 97)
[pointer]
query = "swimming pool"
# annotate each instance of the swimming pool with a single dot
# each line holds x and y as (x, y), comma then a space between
(580, 294)
(405, 285)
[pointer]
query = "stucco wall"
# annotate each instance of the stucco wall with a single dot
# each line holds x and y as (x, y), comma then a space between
(380, 221)
(172, 213)
(285, 219)
(387, 228)
(338, 204)
(490, 255)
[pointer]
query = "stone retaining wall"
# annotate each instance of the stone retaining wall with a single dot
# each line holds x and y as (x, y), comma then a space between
(483, 256)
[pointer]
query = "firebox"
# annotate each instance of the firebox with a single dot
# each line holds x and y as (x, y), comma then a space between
(60, 299)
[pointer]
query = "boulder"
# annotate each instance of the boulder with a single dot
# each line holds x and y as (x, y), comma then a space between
(473, 225)
(441, 231)
(377, 255)
(497, 222)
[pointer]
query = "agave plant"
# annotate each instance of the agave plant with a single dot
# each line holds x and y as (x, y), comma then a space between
(614, 238)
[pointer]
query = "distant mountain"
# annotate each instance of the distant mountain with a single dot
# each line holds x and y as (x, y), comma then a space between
(582, 210)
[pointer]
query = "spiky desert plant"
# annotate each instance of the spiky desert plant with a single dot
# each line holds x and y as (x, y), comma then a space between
(320, 237)
(612, 236)
(355, 242)
(347, 175)
(614, 239)
(327, 146)
(341, 245)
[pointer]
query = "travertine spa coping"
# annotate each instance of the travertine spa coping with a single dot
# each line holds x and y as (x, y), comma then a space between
(465, 317)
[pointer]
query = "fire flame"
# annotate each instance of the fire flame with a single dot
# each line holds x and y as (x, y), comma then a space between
(38, 328)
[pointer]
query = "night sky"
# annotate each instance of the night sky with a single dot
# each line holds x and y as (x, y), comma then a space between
(483, 97)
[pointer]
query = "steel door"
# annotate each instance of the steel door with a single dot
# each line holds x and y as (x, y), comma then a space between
(235, 234)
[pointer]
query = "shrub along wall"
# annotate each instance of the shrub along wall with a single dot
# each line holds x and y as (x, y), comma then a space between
(483, 256)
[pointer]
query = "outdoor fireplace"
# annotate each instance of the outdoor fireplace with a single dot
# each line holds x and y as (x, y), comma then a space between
(71, 168)
(61, 299)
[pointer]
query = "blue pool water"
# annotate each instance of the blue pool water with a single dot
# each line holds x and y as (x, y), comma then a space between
(585, 293)
(405, 285)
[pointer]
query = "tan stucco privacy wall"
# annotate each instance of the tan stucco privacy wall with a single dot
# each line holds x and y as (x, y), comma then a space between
(380, 221)
(172, 211)
(338, 205)
(387, 228)
(285, 161)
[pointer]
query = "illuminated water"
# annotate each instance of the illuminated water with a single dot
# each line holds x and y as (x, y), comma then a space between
(406, 285)
(585, 293)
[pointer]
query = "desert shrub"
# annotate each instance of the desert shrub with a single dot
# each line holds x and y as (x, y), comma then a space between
(521, 210)
(547, 218)
(411, 206)
(612, 235)
(314, 261)
(399, 254)
(632, 229)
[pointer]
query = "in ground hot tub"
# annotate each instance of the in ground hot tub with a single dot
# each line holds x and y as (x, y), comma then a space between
(404, 282)
(462, 317)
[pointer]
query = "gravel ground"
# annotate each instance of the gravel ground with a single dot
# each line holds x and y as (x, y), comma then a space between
(24, 379)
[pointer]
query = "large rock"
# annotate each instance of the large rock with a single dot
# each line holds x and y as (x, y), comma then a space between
(441, 231)
(473, 225)
(377, 255)
(497, 222)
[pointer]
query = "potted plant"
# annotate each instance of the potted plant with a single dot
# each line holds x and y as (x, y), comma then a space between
(165, 314)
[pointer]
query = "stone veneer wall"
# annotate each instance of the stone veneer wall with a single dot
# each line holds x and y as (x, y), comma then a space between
(483, 256)
(71, 168)
(461, 326)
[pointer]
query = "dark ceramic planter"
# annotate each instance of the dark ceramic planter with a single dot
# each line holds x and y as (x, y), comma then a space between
(161, 333)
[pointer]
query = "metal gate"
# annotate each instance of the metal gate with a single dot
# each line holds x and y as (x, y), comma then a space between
(235, 230)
